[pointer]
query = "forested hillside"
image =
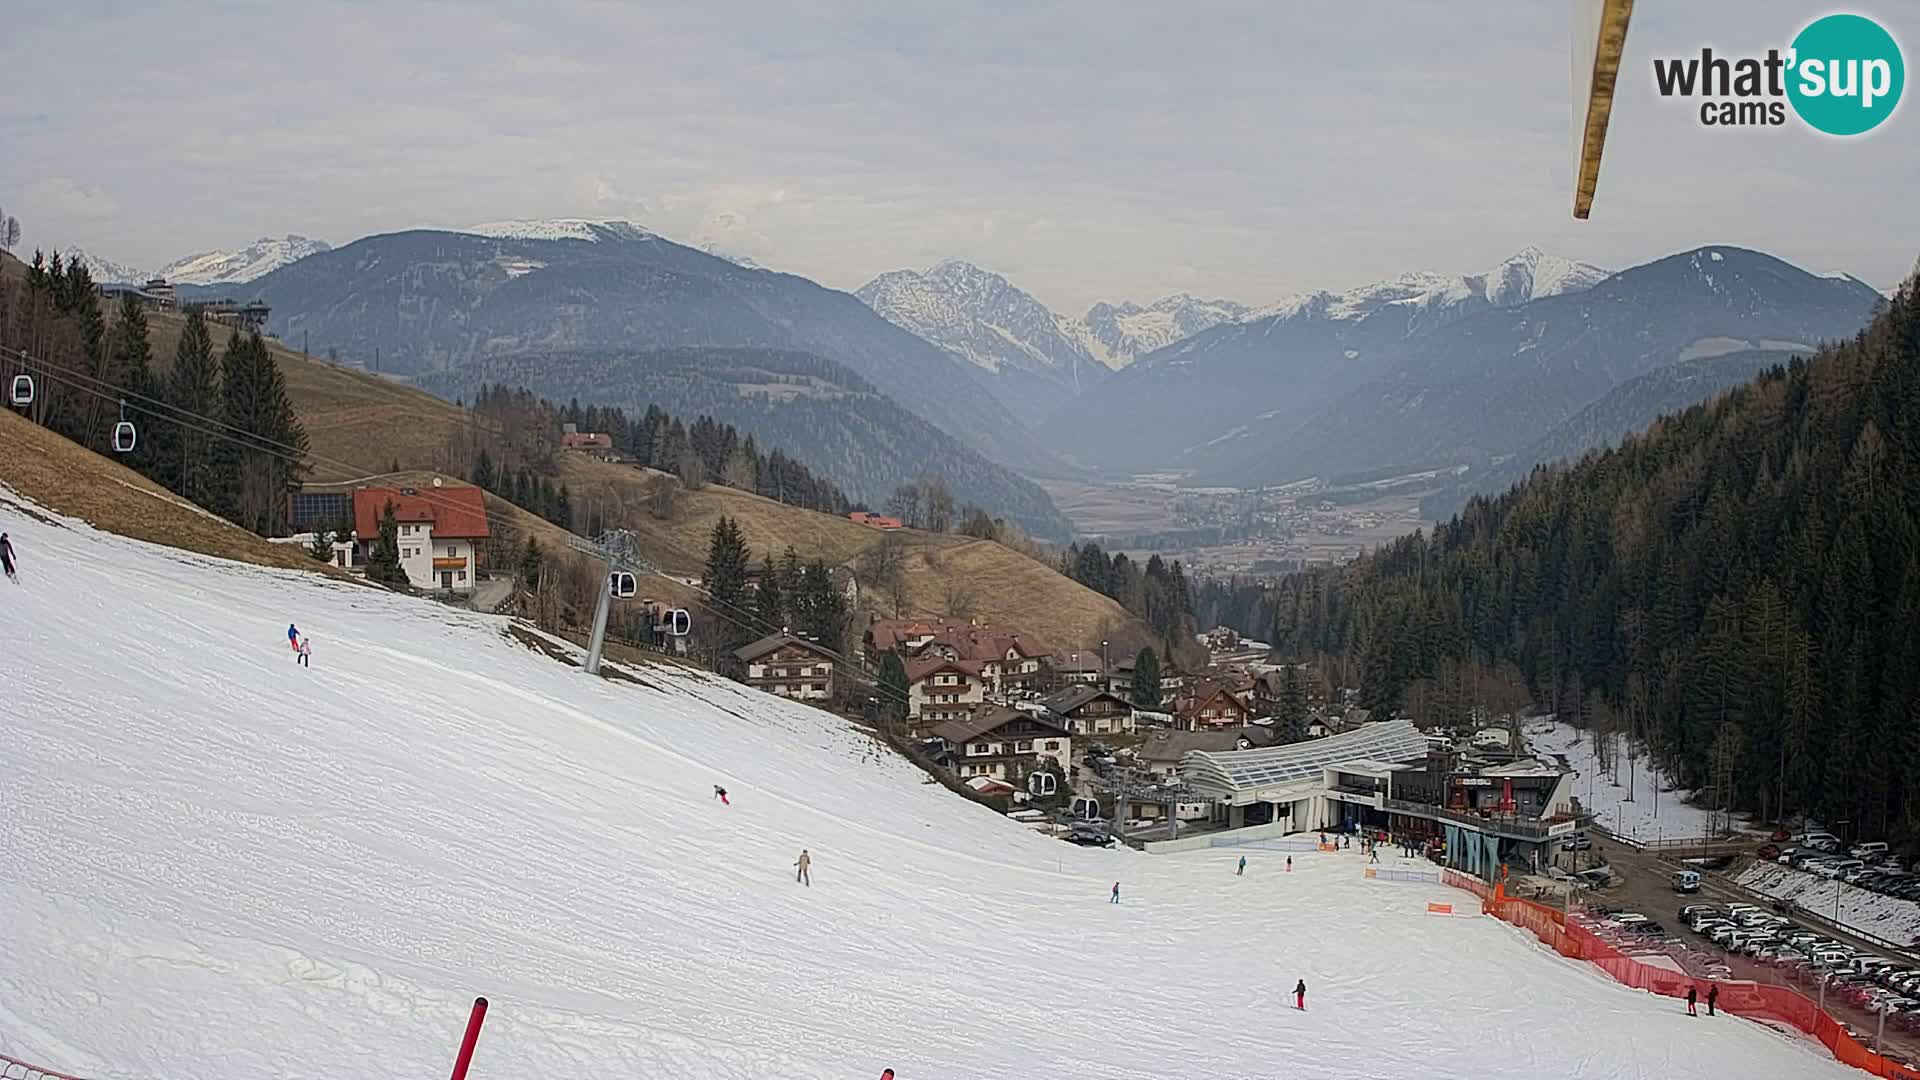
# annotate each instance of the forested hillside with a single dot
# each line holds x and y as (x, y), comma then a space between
(1739, 586)
(816, 410)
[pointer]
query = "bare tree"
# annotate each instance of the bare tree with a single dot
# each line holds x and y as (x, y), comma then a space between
(884, 565)
(9, 231)
(958, 600)
(905, 504)
(939, 504)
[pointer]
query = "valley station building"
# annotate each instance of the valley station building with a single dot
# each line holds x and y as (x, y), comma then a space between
(1385, 777)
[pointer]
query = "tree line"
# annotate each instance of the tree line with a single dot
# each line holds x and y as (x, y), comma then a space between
(1157, 591)
(1737, 589)
(749, 602)
(216, 429)
(515, 453)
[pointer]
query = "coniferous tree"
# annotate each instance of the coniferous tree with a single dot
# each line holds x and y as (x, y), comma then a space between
(1146, 679)
(129, 370)
(893, 688)
(263, 457)
(1293, 705)
(770, 597)
(192, 392)
(726, 582)
(383, 561)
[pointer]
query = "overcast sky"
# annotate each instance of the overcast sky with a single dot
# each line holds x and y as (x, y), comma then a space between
(1088, 150)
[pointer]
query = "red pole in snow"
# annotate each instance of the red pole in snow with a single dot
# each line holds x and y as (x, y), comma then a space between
(473, 1036)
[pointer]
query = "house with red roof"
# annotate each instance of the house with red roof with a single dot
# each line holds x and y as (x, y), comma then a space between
(438, 530)
(939, 690)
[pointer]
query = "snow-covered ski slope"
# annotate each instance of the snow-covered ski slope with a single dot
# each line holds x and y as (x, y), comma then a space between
(215, 864)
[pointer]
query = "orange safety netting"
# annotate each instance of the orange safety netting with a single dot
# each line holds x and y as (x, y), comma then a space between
(1758, 1001)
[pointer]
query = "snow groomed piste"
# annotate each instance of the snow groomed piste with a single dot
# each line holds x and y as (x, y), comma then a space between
(215, 863)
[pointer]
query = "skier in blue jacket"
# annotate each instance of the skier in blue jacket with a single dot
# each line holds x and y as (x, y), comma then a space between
(293, 640)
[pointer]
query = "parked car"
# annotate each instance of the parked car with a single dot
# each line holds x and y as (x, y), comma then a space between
(1577, 842)
(1785, 855)
(1823, 841)
(1769, 851)
(1872, 849)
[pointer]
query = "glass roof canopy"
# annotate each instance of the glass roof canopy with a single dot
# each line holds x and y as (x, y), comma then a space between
(1245, 770)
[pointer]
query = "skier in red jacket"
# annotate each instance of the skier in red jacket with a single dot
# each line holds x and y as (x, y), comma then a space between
(1300, 995)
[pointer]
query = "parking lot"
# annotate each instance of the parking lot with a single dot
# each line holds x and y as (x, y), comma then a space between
(1743, 936)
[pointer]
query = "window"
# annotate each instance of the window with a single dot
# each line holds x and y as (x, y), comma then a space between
(976, 749)
(460, 575)
(1053, 744)
(1026, 746)
(451, 553)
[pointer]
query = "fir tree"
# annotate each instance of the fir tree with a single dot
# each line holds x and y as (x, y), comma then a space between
(1146, 679)
(770, 597)
(192, 391)
(383, 562)
(726, 581)
(893, 688)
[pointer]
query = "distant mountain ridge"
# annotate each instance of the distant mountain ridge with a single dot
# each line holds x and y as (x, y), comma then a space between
(220, 267)
(1028, 355)
(1632, 406)
(438, 302)
(1190, 404)
(1119, 334)
(1487, 386)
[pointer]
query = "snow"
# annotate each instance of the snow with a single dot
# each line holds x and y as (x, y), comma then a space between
(217, 864)
(557, 229)
(1677, 818)
(1716, 256)
(1531, 274)
(1886, 917)
(105, 271)
(257, 259)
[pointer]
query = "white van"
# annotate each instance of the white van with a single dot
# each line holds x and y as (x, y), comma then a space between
(1686, 881)
(1869, 851)
(1825, 841)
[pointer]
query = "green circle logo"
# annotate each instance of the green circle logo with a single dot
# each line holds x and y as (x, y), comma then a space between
(1846, 75)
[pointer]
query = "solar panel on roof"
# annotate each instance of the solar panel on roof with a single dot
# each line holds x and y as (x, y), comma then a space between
(1244, 769)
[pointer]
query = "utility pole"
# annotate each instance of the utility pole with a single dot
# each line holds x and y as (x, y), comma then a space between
(616, 549)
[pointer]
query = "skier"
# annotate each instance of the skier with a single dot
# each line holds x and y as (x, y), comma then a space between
(306, 652)
(1373, 855)
(1243, 867)
(721, 794)
(1713, 997)
(1300, 995)
(886, 1074)
(6, 558)
(1116, 893)
(293, 640)
(1693, 994)
(1289, 864)
(802, 876)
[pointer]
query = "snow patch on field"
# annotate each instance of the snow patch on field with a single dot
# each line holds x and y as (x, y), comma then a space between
(217, 864)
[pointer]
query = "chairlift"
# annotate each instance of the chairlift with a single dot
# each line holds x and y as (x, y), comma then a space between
(22, 395)
(622, 584)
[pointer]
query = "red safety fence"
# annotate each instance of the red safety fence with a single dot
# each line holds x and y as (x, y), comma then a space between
(15, 1069)
(1468, 882)
(1758, 1001)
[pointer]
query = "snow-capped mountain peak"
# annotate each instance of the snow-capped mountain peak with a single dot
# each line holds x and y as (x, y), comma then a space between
(1528, 275)
(560, 229)
(1118, 333)
(979, 316)
(105, 271)
(257, 259)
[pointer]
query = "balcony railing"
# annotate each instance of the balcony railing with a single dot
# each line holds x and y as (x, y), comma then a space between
(1529, 828)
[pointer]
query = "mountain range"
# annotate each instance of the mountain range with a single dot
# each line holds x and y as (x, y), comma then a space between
(423, 303)
(235, 266)
(1193, 404)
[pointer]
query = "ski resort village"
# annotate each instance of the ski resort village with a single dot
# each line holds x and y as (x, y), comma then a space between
(1015, 541)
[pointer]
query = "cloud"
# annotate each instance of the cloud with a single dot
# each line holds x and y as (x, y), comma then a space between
(1241, 149)
(64, 197)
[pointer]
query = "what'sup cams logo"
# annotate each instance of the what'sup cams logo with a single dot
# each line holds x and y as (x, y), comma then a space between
(1841, 76)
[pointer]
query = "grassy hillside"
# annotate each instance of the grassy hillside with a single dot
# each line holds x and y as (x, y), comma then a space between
(64, 476)
(359, 425)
